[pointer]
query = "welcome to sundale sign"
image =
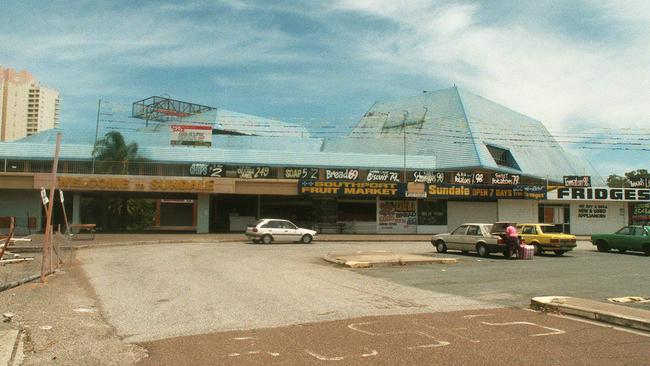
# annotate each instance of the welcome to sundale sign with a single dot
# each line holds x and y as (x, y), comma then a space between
(599, 194)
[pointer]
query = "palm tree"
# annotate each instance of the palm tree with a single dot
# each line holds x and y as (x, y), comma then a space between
(114, 154)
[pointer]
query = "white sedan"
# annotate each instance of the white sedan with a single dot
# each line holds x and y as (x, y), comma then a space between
(270, 230)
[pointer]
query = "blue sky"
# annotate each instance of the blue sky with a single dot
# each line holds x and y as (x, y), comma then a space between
(581, 67)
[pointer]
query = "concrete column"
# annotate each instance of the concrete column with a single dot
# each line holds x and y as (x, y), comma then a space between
(76, 208)
(203, 214)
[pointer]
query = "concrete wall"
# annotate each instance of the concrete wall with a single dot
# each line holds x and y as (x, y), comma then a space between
(615, 217)
(519, 211)
(20, 203)
(461, 212)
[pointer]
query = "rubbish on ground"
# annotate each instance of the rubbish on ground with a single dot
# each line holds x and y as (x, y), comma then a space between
(17, 260)
(8, 316)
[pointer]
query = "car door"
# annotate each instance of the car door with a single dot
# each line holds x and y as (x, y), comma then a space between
(474, 234)
(528, 232)
(276, 229)
(291, 231)
(621, 237)
(456, 238)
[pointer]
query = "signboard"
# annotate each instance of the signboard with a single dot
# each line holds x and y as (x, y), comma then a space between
(485, 192)
(577, 181)
(341, 174)
(505, 179)
(416, 190)
(206, 170)
(599, 194)
(44, 197)
(641, 213)
(592, 211)
(370, 189)
(191, 135)
(639, 183)
(428, 176)
(301, 173)
(382, 176)
(397, 216)
(253, 172)
(469, 178)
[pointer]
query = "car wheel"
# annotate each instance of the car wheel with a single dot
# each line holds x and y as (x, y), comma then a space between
(646, 249)
(559, 252)
(482, 251)
(306, 239)
(602, 246)
(538, 249)
(267, 239)
(441, 247)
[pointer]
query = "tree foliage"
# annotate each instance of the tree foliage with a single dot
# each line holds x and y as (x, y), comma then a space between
(113, 154)
(618, 181)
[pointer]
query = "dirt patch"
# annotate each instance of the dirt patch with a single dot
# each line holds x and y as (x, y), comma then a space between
(63, 324)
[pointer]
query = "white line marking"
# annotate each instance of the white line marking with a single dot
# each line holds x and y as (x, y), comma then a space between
(373, 353)
(553, 331)
(244, 338)
(438, 343)
(472, 316)
(323, 358)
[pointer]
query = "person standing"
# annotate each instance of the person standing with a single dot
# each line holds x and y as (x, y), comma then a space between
(512, 238)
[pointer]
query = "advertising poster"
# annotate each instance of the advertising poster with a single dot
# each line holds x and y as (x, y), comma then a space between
(191, 135)
(397, 217)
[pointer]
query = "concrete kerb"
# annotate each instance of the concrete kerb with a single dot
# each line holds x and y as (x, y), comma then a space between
(376, 259)
(594, 310)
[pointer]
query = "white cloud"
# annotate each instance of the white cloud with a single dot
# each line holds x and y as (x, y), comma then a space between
(551, 77)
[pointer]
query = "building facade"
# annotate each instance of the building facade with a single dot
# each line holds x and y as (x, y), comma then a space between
(423, 165)
(26, 107)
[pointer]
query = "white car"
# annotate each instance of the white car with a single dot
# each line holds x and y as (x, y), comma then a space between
(270, 230)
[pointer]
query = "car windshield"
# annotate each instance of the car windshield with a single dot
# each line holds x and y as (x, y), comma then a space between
(626, 231)
(551, 229)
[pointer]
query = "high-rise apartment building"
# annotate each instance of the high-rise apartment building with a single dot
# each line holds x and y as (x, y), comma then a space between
(26, 107)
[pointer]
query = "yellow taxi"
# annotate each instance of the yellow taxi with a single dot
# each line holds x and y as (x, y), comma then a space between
(546, 238)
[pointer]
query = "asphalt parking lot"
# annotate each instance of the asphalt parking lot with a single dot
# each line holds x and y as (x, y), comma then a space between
(199, 288)
(190, 301)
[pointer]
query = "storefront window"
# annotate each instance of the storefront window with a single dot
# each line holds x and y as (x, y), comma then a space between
(357, 211)
(432, 212)
(558, 215)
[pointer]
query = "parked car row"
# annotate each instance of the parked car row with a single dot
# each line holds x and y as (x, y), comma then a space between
(489, 238)
(481, 238)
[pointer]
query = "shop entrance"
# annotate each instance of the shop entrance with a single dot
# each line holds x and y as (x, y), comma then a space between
(232, 213)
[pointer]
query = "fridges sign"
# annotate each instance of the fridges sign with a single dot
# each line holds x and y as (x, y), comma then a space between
(599, 194)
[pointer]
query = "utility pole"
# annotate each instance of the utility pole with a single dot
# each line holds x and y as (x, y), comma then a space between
(47, 240)
(406, 114)
(99, 106)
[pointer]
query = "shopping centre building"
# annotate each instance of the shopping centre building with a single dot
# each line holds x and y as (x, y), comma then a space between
(422, 164)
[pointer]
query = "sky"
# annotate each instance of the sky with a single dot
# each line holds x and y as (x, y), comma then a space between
(580, 67)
